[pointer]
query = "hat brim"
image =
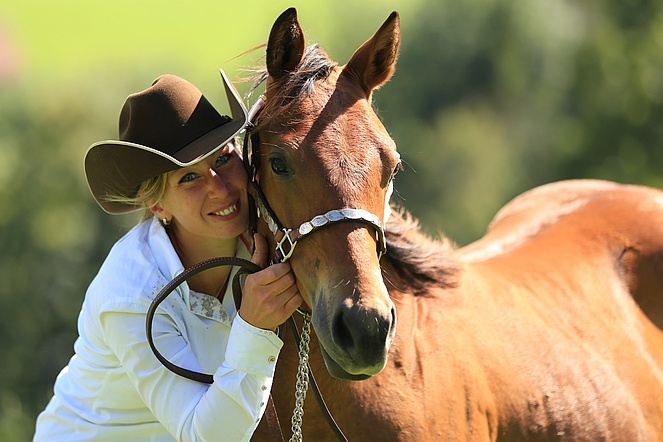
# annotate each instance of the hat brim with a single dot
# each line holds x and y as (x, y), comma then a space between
(115, 167)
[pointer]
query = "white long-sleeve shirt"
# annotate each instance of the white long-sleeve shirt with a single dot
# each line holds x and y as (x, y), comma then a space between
(114, 388)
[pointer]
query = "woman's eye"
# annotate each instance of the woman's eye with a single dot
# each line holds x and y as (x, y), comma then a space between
(278, 165)
(187, 178)
(222, 160)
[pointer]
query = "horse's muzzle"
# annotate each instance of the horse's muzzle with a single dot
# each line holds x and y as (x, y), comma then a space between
(359, 339)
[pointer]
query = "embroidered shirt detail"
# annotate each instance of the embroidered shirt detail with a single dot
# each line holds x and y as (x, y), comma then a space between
(208, 306)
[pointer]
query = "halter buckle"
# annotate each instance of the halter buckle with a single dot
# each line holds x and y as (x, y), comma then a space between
(289, 243)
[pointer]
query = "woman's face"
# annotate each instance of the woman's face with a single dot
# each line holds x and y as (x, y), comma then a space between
(207, 201)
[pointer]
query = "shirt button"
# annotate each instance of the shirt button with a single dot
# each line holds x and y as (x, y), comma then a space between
(263, 388)
(271, 359)
(262, 404)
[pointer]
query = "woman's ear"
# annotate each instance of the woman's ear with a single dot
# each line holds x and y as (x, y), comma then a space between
(160, 211)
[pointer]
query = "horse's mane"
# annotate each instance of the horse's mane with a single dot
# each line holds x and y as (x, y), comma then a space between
(420, 261)
(295, 86)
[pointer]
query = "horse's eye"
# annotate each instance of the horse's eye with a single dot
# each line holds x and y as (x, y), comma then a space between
(278, 165)
(397, 169)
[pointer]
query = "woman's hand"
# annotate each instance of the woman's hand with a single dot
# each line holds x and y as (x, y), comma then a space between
(269, 296)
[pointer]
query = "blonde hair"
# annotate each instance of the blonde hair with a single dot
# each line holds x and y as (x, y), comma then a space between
(150, 192)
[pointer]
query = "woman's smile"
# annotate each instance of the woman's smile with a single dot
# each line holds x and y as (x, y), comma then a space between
(228, 212)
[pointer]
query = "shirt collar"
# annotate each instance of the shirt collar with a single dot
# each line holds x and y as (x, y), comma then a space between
(167, 260)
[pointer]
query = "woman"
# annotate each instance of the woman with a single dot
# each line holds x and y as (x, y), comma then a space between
(176, 160)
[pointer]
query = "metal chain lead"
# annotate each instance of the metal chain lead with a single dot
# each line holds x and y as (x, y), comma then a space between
(302, 380)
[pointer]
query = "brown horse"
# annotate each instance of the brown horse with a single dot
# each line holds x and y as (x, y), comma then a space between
(548, 328)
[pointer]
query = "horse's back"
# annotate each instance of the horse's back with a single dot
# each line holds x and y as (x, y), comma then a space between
(531, 212)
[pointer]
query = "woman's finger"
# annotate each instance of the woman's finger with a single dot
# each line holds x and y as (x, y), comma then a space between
(260, 252)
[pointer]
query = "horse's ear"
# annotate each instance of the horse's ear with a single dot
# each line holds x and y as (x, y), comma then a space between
(375, 61)
(285, 47)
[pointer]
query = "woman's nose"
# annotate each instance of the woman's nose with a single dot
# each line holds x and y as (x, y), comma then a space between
(216, 183)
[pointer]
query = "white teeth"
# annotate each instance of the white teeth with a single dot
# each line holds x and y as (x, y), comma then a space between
(227, 211)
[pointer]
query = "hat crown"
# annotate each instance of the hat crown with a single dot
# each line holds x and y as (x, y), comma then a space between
(168, 115)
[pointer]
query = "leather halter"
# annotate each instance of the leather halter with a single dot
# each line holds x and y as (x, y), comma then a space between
(287, 238)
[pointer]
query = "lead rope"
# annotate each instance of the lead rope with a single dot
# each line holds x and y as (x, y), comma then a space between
(302, 380)
(303, 371)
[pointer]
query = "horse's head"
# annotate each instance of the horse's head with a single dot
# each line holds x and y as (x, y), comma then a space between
(322, 148)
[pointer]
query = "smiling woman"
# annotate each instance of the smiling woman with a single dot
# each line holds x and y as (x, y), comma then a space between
(176, 161)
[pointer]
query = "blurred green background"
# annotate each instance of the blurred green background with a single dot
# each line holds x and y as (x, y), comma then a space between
(490, 98)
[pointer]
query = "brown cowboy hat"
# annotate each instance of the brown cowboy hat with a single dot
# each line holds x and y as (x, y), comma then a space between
(166, 126)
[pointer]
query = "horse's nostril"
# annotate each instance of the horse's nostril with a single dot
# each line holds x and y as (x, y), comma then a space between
(392, 326)
(341, 332)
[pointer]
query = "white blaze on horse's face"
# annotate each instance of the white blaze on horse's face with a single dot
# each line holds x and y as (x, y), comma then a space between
(323, 148)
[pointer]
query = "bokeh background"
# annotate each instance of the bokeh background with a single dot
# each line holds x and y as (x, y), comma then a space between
(490, 98)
